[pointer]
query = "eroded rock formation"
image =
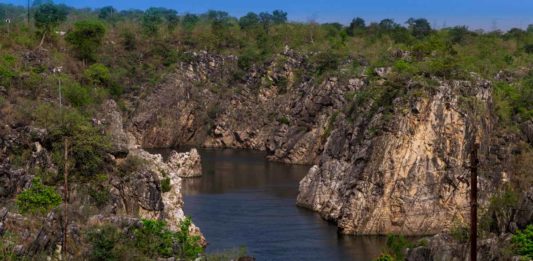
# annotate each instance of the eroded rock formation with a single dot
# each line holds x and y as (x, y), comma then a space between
(409, 180)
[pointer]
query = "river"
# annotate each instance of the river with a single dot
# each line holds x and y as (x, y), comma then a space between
(244, 200)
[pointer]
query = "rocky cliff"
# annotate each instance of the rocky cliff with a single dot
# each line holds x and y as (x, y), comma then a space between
(410, 179)
(274, 108)
(389, 153)
(137, 185)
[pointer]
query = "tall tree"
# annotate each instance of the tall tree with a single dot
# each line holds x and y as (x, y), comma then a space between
(279, 17)
(249, 20)
(49, 16)
(357, 26)
(86, 38)
(420, 28)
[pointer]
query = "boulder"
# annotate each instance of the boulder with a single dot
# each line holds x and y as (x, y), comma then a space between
(110, 119)
(187, 164)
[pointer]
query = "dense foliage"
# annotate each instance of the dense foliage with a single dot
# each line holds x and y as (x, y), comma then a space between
(523, 242)
(38, 198)
(107, 53)
(151, 240)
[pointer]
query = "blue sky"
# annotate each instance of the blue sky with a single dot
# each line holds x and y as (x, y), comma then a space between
(486, 14)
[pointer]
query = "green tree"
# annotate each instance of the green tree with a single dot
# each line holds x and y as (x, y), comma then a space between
(523, 242)
(188, 21)
(48, 16)
(420, 28)
(279, 17)
(249, 20)
(86, 38)
(38, 198)
(357, 26)
(98, 75)
(151, 20)
(108, 13)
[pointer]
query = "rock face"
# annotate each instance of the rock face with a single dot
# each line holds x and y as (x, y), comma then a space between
(269, 109)
(409, 180)
(186, 165)
(443, 247)
(147, 192)
(388, 156)
(110, 119)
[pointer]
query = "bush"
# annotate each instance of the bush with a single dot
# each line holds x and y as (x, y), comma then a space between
(189, 244)
(86, 38)
(150, 241)
(385, 257)
(98, 74)
(155, 240)
(326, 61)
(523, 242)
(284, 120)
(77, 95)
(87, 145)
(103, 241)
(396, 245)
(38, 198)
(500, 211)
(165, 185)
(460, 232)
(7, 69)
(132, 164)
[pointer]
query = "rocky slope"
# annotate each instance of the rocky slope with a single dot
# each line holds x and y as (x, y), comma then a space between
(269, 108)
(389, 154)
(132, 191)
(409, 180)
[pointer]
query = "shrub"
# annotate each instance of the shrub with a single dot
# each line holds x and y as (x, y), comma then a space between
(155, 240)
(284, 120)
(103, 241)
(87, 145)
(77, 95)
(500, 211)
(132, 164)
(38, 198)
(86, 38)
(385, 257)
(7, 69)
(189, 244)
(98, 74)
(165, 185)
(326, 61)
(523, 242)
(396, 245)
(460, 232)
(48, 16)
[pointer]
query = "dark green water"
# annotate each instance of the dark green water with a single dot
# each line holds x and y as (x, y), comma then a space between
(244, 200)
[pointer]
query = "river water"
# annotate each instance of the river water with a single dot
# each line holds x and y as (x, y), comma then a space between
(244, 200)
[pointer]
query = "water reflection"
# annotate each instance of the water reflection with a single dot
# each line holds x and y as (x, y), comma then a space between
(244, 200)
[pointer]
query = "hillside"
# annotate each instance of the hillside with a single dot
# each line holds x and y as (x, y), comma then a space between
(386, 116)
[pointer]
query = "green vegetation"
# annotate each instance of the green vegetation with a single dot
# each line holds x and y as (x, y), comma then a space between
(165, 185)
(395, 249)
(86, 38)
(48, 16)
(523, 242)
(125, 54)
(38, 198)
(149, 241)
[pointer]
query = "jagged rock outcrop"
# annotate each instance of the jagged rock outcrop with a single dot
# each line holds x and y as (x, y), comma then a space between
(186, 164)
(268, 109)
(409, 180)
(110, 119)
(142, 193)
(491, 246)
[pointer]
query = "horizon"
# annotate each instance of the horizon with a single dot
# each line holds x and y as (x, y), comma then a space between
(489, 15)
